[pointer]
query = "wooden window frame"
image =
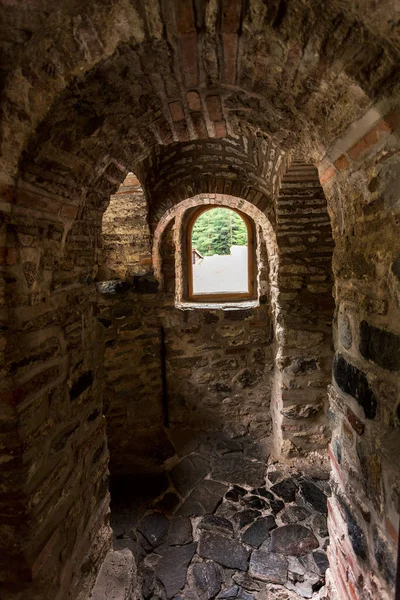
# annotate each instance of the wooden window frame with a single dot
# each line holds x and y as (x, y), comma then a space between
(220, 297)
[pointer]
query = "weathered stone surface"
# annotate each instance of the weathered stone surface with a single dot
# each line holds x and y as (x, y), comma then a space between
(207, 579)
(315, 563)
(145, 284)
(285, 489)
(235, 493)
(203, 499)
(354, 382)
(188, 472)
(276, 506)
(269, 567)
(293, 514)
(216, 524)
(148, 581)
(356, 534)
(154, 528)
(380, 346)
(258, 532)
(230, 592)
(303, 589)
(256, 502)
(168, 503)
(384, 558)
(293, 540)
(345, 334)
(227, 446)
(172, 566)
(238, 470)
(321, 561)
(244, 580)
(296, 568)
(113, 288)
(314, 496)
(224, 551)
(243, 595)
(262, 491)
(117, 577)
(319, 525)
(274, 476)
(180, 531)
(245, 517)
(356, 423)
(302, 365)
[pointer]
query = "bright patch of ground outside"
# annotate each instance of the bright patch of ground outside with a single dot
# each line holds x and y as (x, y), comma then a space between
(222, 274)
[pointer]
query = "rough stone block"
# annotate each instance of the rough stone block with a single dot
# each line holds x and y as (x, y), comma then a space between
(207, 579)
(354, 382)
(380, 346)
(172, 567)
(268, 566)
(117, 577)
(294, 540)
(224, 551)
(258, 532)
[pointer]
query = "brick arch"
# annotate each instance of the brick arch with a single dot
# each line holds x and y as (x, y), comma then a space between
(246, 167)
(227, 200)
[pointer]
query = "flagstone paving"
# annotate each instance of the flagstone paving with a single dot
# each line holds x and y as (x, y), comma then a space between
(224, 522)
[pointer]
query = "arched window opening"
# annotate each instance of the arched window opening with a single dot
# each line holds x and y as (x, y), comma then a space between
(220, 255)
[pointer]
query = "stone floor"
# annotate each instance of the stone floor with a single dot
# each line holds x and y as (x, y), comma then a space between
(223, 522)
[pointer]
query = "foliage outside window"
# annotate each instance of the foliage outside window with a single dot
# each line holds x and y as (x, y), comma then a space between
(217, 230)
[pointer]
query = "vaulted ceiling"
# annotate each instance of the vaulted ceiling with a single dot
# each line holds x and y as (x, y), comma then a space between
(92, 90)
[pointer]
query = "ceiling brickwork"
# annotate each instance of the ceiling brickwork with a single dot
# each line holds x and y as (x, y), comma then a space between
(107, 87)
(245, 168)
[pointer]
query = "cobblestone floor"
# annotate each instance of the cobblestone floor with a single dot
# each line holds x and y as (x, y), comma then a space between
(224, 521)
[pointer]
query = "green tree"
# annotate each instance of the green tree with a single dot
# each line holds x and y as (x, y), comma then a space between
(216, 230)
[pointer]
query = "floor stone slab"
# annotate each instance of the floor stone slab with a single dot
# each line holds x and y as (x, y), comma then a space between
(224, 551)
(285, 489)
(180, 531)
(314, 496)
(186, 474)
(294, 540)
(258, 532)
(117, 577)
(216, 524)
(172, 567)
(207, 579)
(239, 471)
(203, 499)
(154, 528)
(245, 517)
(269, 567)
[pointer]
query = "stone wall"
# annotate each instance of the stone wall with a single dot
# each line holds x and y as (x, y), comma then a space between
(54, 496)
(125, 234)
(361, 175)
(304, 310)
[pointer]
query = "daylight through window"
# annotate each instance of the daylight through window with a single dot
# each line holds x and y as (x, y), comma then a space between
(219, 254)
